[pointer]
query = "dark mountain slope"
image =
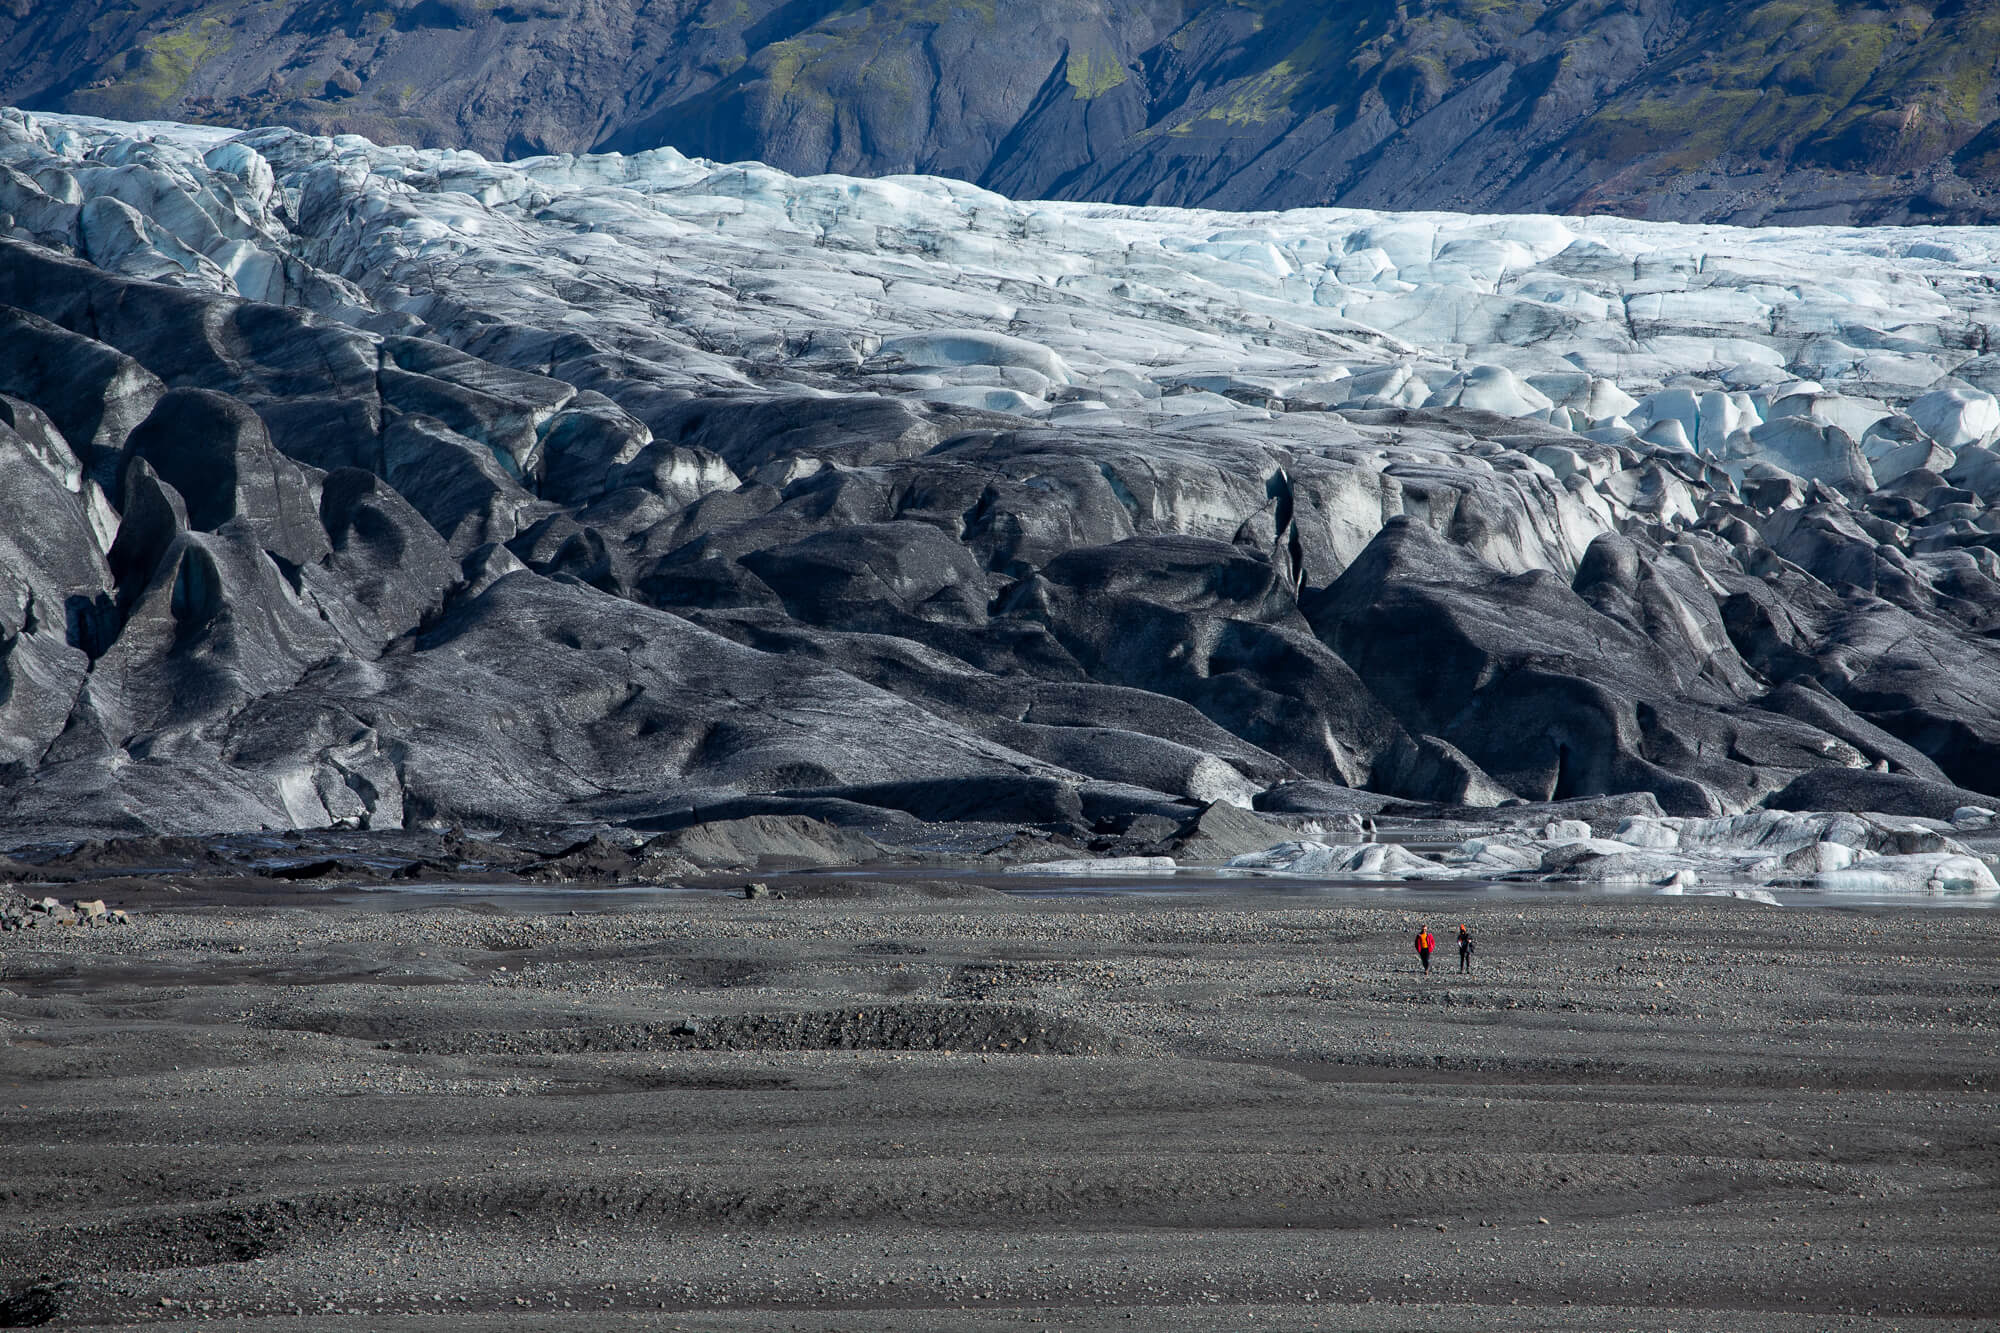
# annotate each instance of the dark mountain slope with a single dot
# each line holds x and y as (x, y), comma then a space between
(1781, 111)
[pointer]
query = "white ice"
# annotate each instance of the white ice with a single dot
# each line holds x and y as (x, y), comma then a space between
(1692, 337)
(1741, 855)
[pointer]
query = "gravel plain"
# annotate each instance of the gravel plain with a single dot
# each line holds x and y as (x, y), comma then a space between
(920, 1105)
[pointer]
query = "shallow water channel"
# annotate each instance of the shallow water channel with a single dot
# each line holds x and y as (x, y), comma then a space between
(1192, 887)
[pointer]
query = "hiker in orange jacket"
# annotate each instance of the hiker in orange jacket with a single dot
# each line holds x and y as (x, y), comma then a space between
(1425, 943)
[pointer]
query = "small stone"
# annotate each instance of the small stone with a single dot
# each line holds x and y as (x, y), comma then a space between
(756, 890)
(92, 909)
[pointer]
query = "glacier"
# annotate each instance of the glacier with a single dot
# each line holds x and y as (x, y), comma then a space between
(723, 485)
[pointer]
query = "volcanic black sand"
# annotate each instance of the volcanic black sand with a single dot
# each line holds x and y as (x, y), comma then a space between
(913, 1106)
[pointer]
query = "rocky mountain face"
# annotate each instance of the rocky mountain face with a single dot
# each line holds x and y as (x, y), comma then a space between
(1751, 111)
(361, 486)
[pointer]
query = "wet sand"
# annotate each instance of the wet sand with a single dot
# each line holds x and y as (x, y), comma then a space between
(919, 1107)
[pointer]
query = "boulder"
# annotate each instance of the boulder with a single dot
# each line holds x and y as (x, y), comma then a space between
(767, 841)
(1219, 833)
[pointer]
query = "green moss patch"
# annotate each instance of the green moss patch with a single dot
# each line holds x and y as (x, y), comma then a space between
(1093, 78)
